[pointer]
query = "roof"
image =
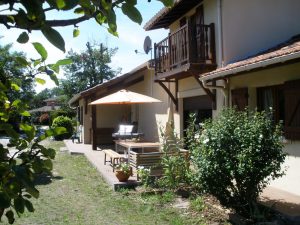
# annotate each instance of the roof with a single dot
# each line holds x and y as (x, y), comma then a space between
(120, 82)
(44, 109)
(166, 16)
(289, 50)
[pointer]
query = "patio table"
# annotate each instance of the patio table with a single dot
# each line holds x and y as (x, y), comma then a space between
(130, 145)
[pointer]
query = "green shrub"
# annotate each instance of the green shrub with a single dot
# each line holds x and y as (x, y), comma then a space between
(68, 112)
(236, 156)
(65, 122)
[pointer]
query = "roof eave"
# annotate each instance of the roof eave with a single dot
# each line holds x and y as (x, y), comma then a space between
(249, 67)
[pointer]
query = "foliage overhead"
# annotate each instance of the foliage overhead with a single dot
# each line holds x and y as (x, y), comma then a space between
(89, 68)
(31, 15)
(23, 158)
(235, 157)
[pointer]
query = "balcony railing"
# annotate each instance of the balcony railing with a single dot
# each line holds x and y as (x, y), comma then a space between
(187, 45)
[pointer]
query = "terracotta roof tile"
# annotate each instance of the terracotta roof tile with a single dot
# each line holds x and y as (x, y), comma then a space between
(284, 49)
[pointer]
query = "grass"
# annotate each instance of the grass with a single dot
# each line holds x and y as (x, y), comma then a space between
(77, 194)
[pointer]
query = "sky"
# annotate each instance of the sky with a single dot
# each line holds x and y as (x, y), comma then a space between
(131, 38)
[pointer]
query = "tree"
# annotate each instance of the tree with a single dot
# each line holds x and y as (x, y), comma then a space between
(18, 171)
(32, 15)
(88, 69)
(14, 71)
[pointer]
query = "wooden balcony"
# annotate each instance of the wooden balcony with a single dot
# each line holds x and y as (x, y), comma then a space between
(188, 51)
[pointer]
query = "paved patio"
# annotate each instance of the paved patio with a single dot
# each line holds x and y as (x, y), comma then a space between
(96, 158)
(285, 202)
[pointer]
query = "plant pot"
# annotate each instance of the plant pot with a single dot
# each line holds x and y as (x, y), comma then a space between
(122, 177)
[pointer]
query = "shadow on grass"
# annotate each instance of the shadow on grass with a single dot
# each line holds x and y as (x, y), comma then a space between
(44, 179)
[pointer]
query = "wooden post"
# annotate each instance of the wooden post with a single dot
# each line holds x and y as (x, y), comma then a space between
(94, 126)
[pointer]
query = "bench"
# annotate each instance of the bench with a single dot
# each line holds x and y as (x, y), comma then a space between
(114, 158)
(152, 160)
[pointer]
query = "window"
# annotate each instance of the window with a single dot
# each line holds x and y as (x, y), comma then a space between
(285, 103)
(272, 98)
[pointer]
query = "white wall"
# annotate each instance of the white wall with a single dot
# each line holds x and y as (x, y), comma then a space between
(252, 26)
(151, 116)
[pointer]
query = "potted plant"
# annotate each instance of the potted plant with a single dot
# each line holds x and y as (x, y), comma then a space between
(123, 172)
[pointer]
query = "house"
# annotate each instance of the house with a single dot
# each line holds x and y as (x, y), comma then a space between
(100, 121)
(235, 52)
(51, 105)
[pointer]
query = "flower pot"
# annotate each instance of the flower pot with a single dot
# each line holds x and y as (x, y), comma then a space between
(122, 177)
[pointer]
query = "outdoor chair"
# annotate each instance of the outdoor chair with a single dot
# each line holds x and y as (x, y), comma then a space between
(76, 135)
(127, 132)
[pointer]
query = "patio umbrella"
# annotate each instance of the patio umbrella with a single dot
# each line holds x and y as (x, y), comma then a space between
(124, 97)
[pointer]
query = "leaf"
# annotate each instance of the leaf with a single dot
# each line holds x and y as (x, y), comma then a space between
(40, 80)
(132, 12)
(9, 130)
(76, 32)
(19, 205)
(15, 87)
(25, 113)
(70, 4)
(54, 78)
(23, 38)
(29, 130)
(48, 164)
(22, 61)
(49, 152)
(29, 205)
(41, 50)
(79, 10)
(59, 130)
(60, 4)
(4, 200)
(54, 37)
(63, 62)
(10, 216)
(32, 190)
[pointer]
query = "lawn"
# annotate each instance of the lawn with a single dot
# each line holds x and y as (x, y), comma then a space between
(77, 194)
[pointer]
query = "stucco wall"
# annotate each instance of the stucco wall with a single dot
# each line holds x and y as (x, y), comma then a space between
(151, 116)
(111, 116)
(252, 26)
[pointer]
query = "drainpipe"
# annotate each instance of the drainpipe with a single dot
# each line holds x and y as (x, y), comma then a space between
(220, 33)
(224, 89)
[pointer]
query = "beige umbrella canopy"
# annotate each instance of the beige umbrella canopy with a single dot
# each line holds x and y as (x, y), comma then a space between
(124, 97)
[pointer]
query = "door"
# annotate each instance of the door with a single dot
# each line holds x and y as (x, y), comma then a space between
(197, 36)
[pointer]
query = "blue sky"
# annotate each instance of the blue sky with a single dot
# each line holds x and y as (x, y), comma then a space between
(131, 37)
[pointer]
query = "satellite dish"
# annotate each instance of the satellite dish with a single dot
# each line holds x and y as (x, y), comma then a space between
(147, 44)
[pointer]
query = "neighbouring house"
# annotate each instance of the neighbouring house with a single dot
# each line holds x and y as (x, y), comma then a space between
(51, 105)
(100, 121)
(235, 52)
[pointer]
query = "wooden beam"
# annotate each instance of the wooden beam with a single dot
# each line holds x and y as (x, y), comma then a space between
(94, 124)
(174, 99)
(211, 95)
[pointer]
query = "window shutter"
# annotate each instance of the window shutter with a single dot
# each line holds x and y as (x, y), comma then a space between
(239, 98)
(292, 109)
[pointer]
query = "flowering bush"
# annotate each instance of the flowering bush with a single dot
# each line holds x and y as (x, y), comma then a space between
(144, 175)
(44, 119)
(236, 156)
